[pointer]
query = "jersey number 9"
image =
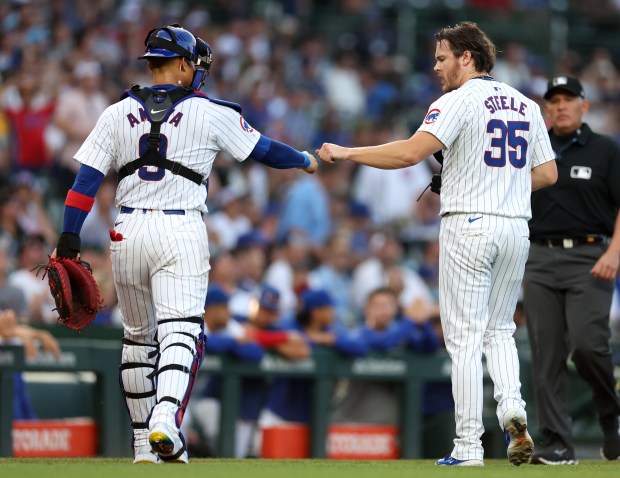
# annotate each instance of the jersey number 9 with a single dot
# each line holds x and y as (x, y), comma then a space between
(156, 174)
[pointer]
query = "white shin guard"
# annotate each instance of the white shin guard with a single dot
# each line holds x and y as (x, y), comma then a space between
(138, 364)
(181, 348)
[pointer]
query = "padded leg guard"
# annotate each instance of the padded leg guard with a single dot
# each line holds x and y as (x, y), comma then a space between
(138, 364)
(181, 345)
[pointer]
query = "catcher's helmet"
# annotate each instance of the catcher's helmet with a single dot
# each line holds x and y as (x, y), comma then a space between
(174, 41)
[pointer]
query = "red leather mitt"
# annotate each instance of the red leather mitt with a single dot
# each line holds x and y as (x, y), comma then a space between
(75, 291)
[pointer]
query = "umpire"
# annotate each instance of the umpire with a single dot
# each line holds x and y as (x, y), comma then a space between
(568, 282)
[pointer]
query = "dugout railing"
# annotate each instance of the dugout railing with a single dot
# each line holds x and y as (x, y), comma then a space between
(78, 355)
(102, 357)
(410, 370)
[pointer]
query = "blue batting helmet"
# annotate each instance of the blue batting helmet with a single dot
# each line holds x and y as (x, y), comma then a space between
(174, 41)
(170, 42)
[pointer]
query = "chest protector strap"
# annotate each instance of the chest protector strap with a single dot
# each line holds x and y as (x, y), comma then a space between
(157, 106)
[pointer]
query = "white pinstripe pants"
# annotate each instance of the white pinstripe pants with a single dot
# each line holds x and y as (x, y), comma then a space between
(161, 269)
(481, 267)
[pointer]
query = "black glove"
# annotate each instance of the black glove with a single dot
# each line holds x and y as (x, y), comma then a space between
(439, 157)
(436, 183)
(69, 245)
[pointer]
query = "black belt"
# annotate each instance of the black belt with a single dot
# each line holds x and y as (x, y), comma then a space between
(570, 242)
(129, 210)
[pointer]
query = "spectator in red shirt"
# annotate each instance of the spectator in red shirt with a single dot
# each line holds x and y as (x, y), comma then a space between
(30, 111)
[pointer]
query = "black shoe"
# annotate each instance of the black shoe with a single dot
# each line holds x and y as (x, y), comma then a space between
(611, 438)
(554, 454)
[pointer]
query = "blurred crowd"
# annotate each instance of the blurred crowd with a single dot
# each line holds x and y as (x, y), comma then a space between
(347, 258)
(348, 230)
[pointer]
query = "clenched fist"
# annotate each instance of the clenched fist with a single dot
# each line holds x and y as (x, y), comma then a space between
(314, 164)
(331, 153)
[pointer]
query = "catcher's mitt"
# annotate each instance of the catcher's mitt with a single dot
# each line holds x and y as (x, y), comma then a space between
(75, 291)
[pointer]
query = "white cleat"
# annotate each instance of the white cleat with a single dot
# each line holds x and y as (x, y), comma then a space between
(144, 455)
(167, 443)
(520, 445)
(183, 458)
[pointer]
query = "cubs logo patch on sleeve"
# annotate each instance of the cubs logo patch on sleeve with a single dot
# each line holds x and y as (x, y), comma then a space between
(245, 125)
(432, 116)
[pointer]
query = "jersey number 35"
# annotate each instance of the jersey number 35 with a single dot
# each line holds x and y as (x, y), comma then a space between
(506, 136)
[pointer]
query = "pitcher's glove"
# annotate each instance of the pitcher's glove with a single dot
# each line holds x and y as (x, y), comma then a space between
(75, 291)
(436, 183)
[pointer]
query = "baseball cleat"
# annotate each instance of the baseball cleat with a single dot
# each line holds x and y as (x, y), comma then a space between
(611, 437)
(144, 455)
(167, 443)
(554, 454)
(183, 458)
(520, 445)
(448, 460)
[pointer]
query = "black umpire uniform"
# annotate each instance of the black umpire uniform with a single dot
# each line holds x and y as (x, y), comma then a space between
(566, 308)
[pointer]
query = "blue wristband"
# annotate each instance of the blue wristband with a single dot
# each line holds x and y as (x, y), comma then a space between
(307, 161)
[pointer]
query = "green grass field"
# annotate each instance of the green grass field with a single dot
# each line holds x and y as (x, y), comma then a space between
(228, 468)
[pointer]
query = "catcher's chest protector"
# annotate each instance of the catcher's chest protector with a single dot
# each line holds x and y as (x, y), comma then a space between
(157, 106)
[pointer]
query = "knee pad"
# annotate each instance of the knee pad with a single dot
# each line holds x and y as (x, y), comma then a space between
(136, 378)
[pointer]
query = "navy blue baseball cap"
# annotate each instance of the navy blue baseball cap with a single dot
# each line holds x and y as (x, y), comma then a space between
(269, 298)
(315, 299)
(251, 239)
(358, 209)
(566, 84)
(216, 296)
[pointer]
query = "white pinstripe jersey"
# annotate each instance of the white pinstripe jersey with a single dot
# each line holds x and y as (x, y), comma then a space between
(493, 136)
(192, 135)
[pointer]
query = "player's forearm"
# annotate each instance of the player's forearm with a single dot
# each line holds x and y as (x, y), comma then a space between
(278, 155)
(80, 198)
(544, 175)
(394, 155)
(397, 154)
(297, 350)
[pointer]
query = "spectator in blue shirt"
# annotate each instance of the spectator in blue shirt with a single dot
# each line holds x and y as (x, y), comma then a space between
(288, 399)
(306, 205)
(383, 330)
(334, 273)
(375, 402)
(261, 325)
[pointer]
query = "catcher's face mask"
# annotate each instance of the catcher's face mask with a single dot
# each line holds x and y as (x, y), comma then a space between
(202, 64)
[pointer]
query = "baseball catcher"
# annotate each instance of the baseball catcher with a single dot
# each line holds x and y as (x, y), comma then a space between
(162, 140)
(72, 284)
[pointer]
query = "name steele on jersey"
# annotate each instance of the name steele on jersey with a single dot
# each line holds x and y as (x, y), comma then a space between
(175, 119)
(495, 103)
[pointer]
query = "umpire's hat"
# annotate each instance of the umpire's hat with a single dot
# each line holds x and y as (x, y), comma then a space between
(565, 83)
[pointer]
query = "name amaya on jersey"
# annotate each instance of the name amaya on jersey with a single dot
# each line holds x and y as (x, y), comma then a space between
(193, 134)
(493, 136)
(174, 118)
